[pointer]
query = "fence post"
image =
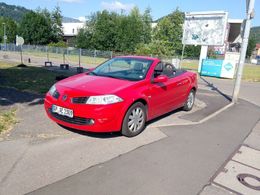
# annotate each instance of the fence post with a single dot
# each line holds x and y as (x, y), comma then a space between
(47, 52)
(95, 53)
(111, 54)
(79, 57)
(21, 54)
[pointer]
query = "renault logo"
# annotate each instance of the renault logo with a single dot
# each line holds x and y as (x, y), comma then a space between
(64, 98)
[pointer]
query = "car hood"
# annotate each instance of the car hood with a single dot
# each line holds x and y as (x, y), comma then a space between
(94, 85)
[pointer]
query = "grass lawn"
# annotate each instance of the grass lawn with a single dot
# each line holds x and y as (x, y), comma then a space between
(7, 120)
(72, 59)
(32, 79)
(250, 73)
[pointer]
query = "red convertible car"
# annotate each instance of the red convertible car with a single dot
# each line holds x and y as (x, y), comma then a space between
(121, 94)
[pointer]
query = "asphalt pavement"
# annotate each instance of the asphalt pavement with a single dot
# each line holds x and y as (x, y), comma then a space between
(182, 163)
(39, 150)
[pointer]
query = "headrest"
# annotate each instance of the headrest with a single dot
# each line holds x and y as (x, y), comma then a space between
(138, 66)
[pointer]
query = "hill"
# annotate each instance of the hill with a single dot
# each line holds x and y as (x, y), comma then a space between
(12, 11)
(17, 12)
(255, 33)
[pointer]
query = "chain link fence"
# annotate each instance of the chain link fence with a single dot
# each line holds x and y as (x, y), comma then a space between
(74, 57)
(39, 55)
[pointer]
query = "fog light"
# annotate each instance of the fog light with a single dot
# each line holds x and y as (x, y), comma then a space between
(91, 122)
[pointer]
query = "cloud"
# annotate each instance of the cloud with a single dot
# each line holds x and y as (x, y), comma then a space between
(116, 6)
(71, 1)
(82, 18)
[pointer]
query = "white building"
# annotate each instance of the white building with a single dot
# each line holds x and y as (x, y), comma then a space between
(71, 30)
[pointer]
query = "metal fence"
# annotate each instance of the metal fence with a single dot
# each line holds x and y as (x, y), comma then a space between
(36, 54)
(74, 57)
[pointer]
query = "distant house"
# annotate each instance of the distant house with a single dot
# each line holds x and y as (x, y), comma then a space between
(70, 30)
(257, 50)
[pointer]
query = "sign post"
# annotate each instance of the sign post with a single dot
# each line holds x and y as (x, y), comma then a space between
(250, 15)
(20, 42)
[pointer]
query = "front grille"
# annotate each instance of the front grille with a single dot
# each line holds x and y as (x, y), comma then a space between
(75, 120)
(79, 100)
(56, 94)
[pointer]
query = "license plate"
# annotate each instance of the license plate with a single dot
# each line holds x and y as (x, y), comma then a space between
(62, 111)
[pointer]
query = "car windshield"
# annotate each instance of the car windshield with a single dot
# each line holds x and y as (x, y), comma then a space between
(133, 69)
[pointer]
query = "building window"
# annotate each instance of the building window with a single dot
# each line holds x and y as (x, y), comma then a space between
(73, 31)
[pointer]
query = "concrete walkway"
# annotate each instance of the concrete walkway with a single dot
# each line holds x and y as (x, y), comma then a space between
(245, 161)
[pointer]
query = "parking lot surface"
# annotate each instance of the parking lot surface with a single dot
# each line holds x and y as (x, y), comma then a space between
(182, 163)
(39, 150)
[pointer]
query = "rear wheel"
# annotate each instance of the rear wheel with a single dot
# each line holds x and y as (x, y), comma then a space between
(190, 101)
(134, 121)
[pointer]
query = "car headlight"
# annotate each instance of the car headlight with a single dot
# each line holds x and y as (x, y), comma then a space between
(103, 99)
(52, 90)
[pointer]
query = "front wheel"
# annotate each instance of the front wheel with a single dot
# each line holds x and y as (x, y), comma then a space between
(134, 121)
(190, 101)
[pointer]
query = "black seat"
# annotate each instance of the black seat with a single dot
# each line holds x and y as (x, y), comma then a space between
(138, 67)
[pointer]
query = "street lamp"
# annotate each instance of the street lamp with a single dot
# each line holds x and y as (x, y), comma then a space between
(4, 25)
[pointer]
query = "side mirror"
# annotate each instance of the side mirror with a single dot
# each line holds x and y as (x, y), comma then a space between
(160, 79)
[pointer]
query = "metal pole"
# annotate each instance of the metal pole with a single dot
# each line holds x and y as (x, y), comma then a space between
(47, 52)
(182, 54)
(21, 54)
(4, 25)
(250, 13)
(79, 57)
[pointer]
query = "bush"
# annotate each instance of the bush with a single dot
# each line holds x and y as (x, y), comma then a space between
(58, 44)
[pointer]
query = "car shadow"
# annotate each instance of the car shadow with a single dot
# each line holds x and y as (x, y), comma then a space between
(93, 134)
(164, 116)
(214, 88)
(27, 84)
(11, 96)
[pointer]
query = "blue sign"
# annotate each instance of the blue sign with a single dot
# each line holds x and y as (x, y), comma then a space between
(211, 67)
(218, 68)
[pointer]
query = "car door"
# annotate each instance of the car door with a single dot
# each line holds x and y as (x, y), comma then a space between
(162, 96)
(183, 83)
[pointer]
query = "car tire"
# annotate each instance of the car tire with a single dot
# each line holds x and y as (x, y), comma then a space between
(190, 101)
(134, 120)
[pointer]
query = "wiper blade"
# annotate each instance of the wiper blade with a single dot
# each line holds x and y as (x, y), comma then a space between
(114, 77)
(93, 73)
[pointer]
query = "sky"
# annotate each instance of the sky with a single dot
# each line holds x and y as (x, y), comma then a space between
(82, 8)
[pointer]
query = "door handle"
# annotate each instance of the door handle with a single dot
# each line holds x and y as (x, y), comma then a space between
(180, 83)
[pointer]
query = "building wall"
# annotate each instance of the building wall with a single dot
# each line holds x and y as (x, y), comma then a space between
(72, 29)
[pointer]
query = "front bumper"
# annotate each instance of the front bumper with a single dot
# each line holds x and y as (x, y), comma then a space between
(107, 118)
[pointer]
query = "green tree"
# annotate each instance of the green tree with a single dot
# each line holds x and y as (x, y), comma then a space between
(169, 30)
(11, 29)
(118, 32)
(192, 51)
(56, 19)
(104, 35)
(85, 35)
(130, 32)
(36, 28)
(250, 47)
(147, 27)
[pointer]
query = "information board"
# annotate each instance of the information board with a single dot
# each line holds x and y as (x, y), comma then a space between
(205, 28)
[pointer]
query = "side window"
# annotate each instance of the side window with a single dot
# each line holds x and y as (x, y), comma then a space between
(169, 70)
(158, 70)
